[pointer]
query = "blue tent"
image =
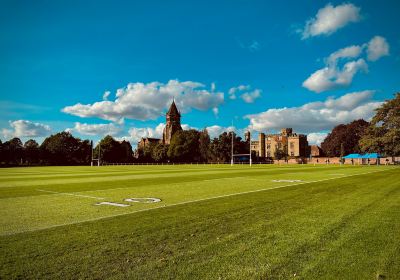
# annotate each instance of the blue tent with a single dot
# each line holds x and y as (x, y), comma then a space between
(354, 156)
(371, 155)
(350, 156)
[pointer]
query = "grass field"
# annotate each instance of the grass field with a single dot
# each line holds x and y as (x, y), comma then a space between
(213, 222)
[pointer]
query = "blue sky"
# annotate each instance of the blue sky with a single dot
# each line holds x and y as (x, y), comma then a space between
(309, 65)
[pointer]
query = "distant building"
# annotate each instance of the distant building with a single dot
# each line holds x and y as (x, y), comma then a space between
(292, 144)
(173, 124)
(316, 151)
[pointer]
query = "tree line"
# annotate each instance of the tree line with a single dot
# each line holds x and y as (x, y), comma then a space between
(381, 135)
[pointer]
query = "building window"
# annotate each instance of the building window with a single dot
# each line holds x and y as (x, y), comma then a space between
(268, 147)
(279, 145)
(291, 145)
(292, 154)
(268, 154)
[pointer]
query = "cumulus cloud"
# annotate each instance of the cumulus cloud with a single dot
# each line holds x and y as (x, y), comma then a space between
(332, 77)
(146, 101)
(216, 130)
(106, 95)
(135, 133)
(24, 128)
(377, 48)
(336, 75)
(316, 138)
(96, 129)
(329, 19)
(248, 95)
(317, 116)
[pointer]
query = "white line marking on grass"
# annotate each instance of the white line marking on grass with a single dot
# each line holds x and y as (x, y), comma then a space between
(337, 174)
(112, 204)
(63, 193)
(192, 201)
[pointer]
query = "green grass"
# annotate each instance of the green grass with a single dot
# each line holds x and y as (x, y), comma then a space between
(213, 222)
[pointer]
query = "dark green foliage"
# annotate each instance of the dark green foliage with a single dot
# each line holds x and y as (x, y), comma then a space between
(280, 154)
(159, 152)
(31, 152)
(383, 134)
(64, 149)
(112, 151)
(346, 134)
(12, 151)
(204, 146)
(184, 146)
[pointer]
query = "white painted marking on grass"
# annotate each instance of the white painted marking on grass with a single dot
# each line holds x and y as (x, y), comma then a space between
(337, 174)
(287, 181)
(73, 194)
(143, 200)
(193, 201)
(112, 204)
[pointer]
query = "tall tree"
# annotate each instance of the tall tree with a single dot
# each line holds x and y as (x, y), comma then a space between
(159, 153)
(204, 145)
(383, 134)
(184, 146)
(31, 151)
(346, 134)
(64, 149)
(13, 151)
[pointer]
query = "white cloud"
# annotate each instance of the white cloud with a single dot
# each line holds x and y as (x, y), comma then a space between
(216, 130)
(106, 95)
(96, 129)
(329, 19)
(135, 134)
(331, 77)
(317, 116)
(147, 101)
(24, 128)
(348, 52)
(316, 138)
(248, 95)
(377, 48)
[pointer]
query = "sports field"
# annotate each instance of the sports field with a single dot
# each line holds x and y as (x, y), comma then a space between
(213, 221)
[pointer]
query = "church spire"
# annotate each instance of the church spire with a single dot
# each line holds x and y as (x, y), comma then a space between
(173, 110)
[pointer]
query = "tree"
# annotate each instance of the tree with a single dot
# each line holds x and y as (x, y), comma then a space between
(383, 134)
(159, 152)
(221, 147)
(184, 146)
(13, 151)
(346, 134)
(31, 151)
(114, 151)
(204, 145)
(279, 154)
(64, 149)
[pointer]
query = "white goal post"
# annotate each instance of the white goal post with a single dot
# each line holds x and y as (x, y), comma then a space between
(239, 155)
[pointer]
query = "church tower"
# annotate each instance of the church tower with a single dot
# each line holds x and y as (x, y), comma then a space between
(173, 123)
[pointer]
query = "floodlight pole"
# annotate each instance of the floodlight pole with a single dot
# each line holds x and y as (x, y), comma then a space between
(98, 158)
(250, 148)
(91, 149)
(232, 149)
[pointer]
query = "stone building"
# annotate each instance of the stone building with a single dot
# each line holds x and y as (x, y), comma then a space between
(172, 125)
(291, 144)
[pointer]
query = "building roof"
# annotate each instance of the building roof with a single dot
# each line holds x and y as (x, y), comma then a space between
(173, 110)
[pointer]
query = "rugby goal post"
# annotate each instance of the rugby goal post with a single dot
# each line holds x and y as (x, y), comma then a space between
(97, 160)
(240, 155)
